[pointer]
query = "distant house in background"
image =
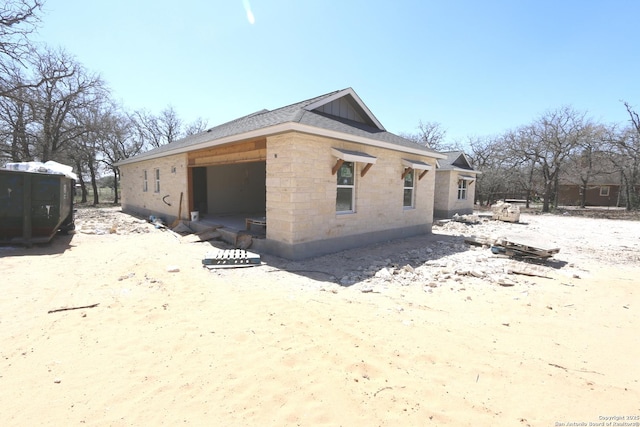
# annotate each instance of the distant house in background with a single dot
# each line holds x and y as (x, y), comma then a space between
(455, 185)
(319, 176)
(601, 190)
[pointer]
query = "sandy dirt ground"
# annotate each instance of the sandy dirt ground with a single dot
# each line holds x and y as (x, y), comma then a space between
(422, 331)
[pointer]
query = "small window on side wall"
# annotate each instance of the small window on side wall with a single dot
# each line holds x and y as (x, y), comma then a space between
(157, 176)
(409, 189)
(145, 182)
(604, 191)
(345, 199)
(462, 189)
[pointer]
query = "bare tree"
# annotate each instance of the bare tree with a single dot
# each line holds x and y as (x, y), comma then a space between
(18, 19)
(67, 90)
(117, 142)
(431, 135)
(556, 134)
(624, 147)
(485, 154)
(167, 127)
(590, 161)
(170, 124)
(159, 130)
(197, 126)
(16, 118)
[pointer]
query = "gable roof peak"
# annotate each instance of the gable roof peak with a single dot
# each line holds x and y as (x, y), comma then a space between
(346, 104)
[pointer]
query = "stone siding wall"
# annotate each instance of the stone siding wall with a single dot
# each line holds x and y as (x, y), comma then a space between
(173, 181)
(301, 191)
(446, 196)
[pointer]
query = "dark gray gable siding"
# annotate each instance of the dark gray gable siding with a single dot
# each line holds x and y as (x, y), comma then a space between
(345, 108)
(455, 159)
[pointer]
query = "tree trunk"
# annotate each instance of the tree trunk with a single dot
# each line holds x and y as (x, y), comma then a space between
(94, 184)
(546, 199)
(529, 187)
(83, 186)
(555, 189)
(620, 191)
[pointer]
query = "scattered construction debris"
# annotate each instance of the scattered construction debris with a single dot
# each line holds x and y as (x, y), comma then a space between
(468, 219)
(203, 236)
(243, 241)
(73, 308)
(522, 251)
(506, 212)
(224, 258)
(480, 241)
(527, 270)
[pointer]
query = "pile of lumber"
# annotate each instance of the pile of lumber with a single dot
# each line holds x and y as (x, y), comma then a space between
(522, 250)
(513, 249)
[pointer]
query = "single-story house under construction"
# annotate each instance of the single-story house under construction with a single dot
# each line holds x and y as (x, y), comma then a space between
(455, 185)
(315, 177)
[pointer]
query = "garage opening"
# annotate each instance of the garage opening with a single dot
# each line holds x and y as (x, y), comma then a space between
(229, 194)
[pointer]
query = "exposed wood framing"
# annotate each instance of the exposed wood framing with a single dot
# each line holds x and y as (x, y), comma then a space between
(248, 151)
(424, 172)
(366, 169)
(337, 166)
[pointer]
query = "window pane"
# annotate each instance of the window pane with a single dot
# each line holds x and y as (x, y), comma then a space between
(344, 200)
(408, 179)
(345, 174)
(408, 198)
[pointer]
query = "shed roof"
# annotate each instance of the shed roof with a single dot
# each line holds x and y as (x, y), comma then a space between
(339, 114)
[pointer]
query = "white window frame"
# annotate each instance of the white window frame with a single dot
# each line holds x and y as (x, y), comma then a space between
(462, 189)
(348, 186)
(412, 188)
(604, 191)
(156, 175)
(145, 182)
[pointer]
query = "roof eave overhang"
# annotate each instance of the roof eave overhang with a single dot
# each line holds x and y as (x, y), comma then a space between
(353, 156)
(281, 128)
(417, 165)
(461, 170)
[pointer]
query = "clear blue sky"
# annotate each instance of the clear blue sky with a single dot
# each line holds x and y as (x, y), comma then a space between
(477, 67)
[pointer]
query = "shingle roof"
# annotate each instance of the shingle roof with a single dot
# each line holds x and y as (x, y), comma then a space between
(293, 113)
(455, 160)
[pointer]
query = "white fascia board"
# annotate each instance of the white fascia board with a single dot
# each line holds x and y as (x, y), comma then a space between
(348, 91)
(281, 128)
(473, 172)
(467, 177)
(417, 165)
(353, 156)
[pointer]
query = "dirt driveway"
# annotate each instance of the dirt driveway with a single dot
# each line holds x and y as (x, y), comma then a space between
(421, 331)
